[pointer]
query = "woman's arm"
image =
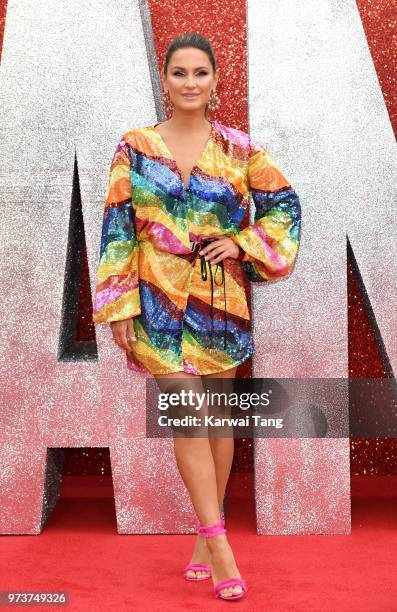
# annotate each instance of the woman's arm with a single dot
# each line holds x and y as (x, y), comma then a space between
(117, 290)
(271, 243)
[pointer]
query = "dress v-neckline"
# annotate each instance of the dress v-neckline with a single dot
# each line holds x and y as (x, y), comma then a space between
(171, 156)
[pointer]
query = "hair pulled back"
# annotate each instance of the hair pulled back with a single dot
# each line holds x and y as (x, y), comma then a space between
(191, 39)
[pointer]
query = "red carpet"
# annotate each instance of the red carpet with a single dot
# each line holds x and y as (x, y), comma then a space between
(81, 552)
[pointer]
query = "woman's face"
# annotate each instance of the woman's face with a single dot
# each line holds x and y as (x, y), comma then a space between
(190, 73)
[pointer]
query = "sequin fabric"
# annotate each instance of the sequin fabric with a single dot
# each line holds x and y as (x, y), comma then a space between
(188, 315)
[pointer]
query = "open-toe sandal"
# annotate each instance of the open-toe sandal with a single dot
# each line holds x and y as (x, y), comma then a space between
(209, 531)
(197, 567)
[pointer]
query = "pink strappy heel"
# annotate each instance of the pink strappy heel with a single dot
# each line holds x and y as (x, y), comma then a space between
(214, 530)
(196, 567)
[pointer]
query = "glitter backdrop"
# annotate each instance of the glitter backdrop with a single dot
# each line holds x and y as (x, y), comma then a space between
(373, 456)
(57, 394)
(78, 114)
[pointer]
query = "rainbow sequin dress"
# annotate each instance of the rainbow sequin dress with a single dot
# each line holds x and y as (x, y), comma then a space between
(189, 315)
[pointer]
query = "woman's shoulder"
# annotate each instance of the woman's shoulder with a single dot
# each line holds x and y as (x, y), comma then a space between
(237, 138)
(134, 133)
(141, 139)
(233, 134)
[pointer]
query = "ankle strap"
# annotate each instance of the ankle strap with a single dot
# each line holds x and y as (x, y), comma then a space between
(222, 519)
(212, 530)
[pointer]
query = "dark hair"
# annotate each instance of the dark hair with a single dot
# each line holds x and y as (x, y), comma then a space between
(190, 40)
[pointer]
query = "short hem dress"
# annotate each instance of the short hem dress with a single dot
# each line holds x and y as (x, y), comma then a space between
(152, 269)
(187, 368)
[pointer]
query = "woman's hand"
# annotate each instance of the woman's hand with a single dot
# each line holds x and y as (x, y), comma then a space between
(122, 330)
(219, 249)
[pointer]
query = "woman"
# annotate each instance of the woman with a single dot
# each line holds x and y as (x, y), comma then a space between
(172, 265)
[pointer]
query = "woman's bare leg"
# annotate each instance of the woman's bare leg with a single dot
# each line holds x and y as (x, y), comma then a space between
(222, 558)
(196, 465)
(222, 448)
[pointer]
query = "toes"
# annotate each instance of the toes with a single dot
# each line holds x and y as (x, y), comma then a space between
(229, 591)
(204, 574)
(197, 574)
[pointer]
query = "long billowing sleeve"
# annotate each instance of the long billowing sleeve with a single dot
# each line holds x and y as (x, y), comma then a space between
(270, 244)
(117, 289)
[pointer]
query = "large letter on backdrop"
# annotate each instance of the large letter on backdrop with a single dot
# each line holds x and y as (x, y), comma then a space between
(314, 98)
(72, 87)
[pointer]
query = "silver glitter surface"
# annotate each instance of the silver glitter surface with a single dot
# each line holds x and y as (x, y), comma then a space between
(72, 87)
(302, 486)
(316, 105)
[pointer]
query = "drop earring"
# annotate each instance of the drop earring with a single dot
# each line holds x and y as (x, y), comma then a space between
(214, 102)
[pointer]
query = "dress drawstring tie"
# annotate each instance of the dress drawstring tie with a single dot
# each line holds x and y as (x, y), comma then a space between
(204, 276)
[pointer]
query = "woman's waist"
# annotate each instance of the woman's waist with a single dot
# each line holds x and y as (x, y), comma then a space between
(175, 245)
